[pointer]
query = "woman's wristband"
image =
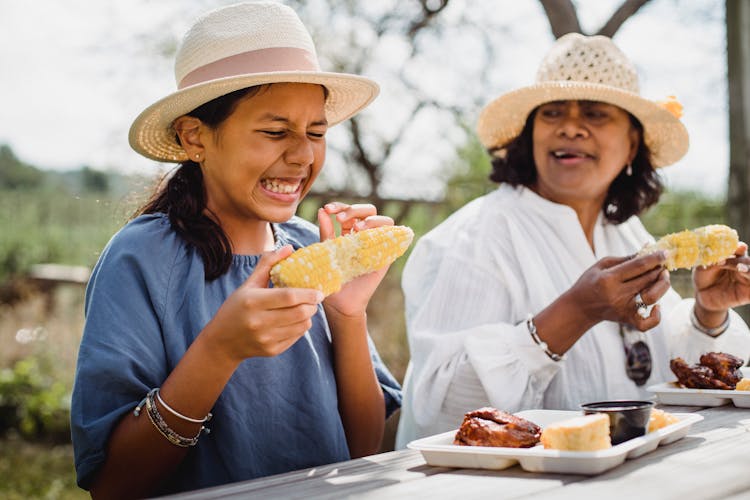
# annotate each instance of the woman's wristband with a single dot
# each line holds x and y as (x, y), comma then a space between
(711, 332)
(538, 341)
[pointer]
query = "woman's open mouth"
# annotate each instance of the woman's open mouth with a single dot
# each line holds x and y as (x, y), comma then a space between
(569, 154)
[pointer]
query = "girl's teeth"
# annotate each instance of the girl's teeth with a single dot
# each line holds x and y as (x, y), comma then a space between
(279, 187)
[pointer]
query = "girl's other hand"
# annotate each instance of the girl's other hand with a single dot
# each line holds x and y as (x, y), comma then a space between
(259, 321)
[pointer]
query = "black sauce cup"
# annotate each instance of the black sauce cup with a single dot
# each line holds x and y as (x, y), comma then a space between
(627, 419)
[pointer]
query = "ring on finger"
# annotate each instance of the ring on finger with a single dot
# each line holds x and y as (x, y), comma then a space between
(643, 310)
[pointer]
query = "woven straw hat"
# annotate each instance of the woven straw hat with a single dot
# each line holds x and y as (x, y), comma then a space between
(235, 47)
(589, 68)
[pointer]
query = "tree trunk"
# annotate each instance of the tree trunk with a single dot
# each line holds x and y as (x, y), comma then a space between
(738, 76)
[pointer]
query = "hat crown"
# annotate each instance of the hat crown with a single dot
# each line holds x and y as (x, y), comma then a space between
(588, 59)
(240, 29)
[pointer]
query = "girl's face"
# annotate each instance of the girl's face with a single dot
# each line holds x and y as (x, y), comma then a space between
(580, 147)
(262, 160)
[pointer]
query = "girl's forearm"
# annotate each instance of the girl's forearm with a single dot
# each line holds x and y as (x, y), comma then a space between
(361, 401)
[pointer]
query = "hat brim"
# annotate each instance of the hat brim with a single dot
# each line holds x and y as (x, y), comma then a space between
(152, 135)
(503, 119)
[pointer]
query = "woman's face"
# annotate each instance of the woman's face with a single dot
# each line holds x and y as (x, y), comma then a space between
(580, 147)
(262, 160)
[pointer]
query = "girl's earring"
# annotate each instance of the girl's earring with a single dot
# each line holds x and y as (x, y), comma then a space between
(197, 157)
(629, 170)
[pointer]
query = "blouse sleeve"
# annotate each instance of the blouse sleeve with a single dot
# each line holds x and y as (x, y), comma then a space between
(689, 343)
(458, 316)
(121, 355)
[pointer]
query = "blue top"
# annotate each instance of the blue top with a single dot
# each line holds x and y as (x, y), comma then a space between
(146, 302)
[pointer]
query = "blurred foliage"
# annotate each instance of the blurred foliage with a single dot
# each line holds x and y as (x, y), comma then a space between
(63, 218)
(34, 402)
(468, 175)
(679, 210)
(15, 174)
(35, 470)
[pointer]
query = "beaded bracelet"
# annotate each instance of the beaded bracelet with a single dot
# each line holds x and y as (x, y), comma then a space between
(535, 337)
(161, 425)
(711, 332)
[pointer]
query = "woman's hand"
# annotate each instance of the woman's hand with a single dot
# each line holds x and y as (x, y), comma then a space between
(259, 321)
(354, 296)
(607, 290)
(720, 287)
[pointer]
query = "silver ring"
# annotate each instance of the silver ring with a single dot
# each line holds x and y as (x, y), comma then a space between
(643, 310)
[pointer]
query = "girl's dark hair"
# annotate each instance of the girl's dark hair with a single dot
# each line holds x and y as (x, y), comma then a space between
(183, 196)
(628, 194)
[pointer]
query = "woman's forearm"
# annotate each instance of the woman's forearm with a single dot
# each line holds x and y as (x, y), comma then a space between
(562, 323)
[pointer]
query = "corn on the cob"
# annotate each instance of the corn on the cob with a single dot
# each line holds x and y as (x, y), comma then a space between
(328, 265)
(702, 246)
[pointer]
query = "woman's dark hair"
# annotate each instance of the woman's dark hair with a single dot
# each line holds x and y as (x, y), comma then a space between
(183, 196)
(628, 194)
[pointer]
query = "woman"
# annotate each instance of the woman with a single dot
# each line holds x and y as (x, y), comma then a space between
(530, 297)
(183, 334)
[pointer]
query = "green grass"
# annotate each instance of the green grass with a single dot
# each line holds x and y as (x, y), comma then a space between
(31, 470)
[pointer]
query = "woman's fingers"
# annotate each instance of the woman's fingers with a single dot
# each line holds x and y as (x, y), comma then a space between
(647, 323)
(637, 266)
(654, 291)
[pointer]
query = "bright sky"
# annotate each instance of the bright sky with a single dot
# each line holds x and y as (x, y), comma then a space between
(76, 72)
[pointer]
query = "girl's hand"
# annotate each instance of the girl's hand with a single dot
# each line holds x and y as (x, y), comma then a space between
(607, 290)
(354, 296)
(259, 321)
(722, 286)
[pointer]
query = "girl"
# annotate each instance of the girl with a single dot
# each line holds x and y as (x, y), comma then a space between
(183, 335)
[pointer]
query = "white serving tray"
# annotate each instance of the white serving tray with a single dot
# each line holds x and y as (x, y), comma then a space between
(671, 393)
(439, 450)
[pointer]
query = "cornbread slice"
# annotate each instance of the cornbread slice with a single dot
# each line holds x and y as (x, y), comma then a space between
(743, 385)
(659, 419)
(587, 433)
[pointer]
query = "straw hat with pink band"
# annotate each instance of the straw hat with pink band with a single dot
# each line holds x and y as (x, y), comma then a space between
(589, 68)
(236, 47)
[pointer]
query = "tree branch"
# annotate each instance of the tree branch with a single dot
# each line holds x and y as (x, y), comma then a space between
(562, 16)
(622, 14)
(428, 13)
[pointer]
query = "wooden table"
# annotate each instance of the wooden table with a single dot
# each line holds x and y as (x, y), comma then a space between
(712, 461)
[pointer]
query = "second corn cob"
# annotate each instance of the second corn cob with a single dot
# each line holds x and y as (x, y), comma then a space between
(328, 265)
(702, 246)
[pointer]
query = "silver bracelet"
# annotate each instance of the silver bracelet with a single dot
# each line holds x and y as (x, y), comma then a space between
(180, 415)
(535, 337)
(711, 332)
